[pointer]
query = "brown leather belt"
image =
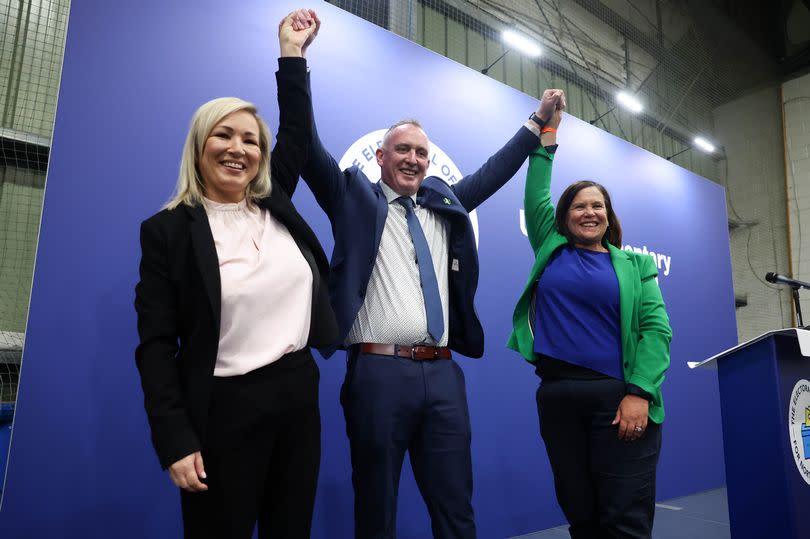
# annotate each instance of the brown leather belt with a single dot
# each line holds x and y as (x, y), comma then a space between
(419, 353)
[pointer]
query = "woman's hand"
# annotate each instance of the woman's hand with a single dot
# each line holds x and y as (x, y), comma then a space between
(631, 417)
(553, 100)
(297, 31)
(550, 111)
(187, 472)
(556, 116)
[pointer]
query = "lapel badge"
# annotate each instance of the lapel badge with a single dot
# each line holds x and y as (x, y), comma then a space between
(447, 201)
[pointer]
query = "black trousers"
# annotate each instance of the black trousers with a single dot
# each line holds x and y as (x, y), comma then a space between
(393, 405)
(261, 454)
(604, 485)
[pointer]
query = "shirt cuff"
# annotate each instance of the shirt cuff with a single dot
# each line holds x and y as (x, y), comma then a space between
(633, 389)
(531, 126)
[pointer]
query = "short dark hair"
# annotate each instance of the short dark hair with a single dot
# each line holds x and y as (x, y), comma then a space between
(406, 121)
(613, 234)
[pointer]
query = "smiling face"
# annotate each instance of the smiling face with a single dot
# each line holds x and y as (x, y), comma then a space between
(587, 219)
(230, 158)
(404, 159)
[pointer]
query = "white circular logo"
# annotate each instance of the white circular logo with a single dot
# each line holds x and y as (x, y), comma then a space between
(799, 427)
(362, 154)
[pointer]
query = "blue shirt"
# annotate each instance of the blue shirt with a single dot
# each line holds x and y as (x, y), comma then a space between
(577, 316)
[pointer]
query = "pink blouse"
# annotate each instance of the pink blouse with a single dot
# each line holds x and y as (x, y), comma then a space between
(266, 288)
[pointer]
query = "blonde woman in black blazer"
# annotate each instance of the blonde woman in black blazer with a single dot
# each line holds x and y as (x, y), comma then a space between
(246, 447)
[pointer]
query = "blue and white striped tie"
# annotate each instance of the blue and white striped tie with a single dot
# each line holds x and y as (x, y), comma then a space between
(427, 276)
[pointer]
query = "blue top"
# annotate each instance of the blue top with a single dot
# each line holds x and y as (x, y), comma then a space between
(577, 316)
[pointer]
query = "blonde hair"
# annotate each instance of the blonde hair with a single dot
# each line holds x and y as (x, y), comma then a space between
(190, 187)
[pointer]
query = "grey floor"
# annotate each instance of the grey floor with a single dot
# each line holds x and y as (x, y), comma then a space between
(699, 516)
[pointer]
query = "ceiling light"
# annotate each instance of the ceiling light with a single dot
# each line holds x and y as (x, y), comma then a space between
(704, 144)
(521, 43)
(629, 102)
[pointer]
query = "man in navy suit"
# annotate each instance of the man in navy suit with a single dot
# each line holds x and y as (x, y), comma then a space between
(404, 271)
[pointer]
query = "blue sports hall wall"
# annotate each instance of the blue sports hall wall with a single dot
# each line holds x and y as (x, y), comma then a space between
(81, 464)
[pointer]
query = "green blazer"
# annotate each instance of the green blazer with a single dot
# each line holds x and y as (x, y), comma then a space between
(644, 323)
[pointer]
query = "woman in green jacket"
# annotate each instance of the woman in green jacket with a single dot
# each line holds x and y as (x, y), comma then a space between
(592, 320)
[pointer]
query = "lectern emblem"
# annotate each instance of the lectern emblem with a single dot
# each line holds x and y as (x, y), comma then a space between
(799, 427)
(806, 433)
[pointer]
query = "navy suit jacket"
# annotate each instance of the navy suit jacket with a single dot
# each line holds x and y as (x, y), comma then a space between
(357, 209)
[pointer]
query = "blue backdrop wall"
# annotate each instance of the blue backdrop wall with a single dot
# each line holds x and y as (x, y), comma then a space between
(81, 464)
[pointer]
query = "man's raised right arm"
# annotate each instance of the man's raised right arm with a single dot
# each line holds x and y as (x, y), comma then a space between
(323, 175)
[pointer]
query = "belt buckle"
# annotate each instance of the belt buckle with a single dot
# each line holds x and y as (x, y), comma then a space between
(425, 348)
(399, 348)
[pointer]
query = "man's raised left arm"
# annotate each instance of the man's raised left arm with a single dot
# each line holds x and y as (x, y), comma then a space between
(504, 164)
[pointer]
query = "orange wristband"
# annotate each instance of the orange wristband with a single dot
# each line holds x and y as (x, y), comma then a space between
(548, 130)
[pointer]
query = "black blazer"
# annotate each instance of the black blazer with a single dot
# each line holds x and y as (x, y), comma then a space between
(178, 296)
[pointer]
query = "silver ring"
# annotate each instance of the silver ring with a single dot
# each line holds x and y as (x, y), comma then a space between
(638, 429)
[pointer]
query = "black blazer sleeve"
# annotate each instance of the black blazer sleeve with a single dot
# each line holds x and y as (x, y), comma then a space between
(291, 150)
(156, 302)
(290, 154)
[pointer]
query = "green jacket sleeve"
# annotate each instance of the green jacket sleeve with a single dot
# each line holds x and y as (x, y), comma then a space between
(655, 334)
(539, 211)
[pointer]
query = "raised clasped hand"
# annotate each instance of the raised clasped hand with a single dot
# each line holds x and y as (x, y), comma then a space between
(553, 100)
(297, 31)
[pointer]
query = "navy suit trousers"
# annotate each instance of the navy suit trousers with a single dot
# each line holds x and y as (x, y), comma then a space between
(393, 405)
